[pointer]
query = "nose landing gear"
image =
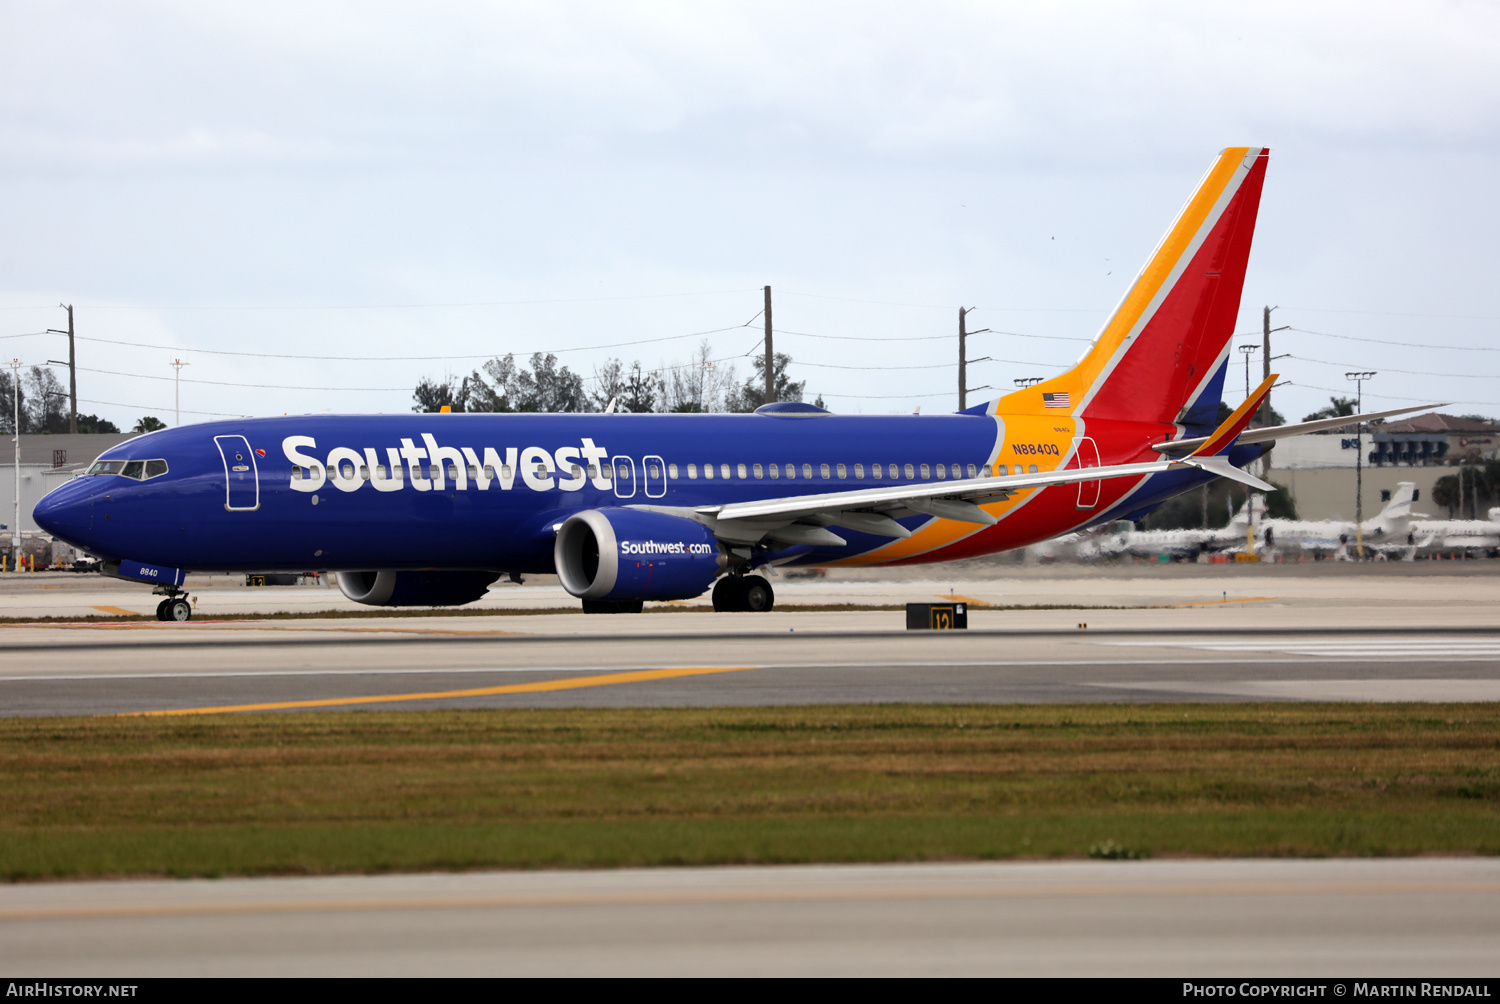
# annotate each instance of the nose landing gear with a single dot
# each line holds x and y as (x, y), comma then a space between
(175, 607)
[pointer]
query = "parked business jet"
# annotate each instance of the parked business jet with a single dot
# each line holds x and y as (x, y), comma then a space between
(430, 509)
(1388, 531)
(1457, 534)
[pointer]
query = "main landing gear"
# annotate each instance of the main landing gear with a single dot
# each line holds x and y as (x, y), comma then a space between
(743, 593)
(175, 607)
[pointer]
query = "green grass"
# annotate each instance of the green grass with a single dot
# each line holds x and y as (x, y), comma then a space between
(362, 791)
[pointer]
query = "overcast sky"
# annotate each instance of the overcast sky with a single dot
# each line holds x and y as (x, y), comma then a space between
(464, 180)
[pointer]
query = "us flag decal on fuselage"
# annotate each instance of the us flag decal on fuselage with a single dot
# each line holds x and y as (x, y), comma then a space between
(1056, 400)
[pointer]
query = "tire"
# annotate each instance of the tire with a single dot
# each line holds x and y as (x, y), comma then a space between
(729, 595)
(179, 610)
(756, 595)
(161, 610)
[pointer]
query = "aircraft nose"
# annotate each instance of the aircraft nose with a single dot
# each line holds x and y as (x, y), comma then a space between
(67, 512)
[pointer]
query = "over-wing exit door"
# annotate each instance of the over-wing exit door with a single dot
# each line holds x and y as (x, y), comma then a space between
(241, 485)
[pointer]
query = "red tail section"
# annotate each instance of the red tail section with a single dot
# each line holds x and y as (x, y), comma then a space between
(1162, 355)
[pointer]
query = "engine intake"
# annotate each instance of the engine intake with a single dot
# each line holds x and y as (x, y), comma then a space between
(629, 554)
(415, 589)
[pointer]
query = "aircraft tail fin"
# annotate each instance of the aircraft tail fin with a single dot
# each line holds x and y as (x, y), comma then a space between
(1162, 356)
(1397, 512)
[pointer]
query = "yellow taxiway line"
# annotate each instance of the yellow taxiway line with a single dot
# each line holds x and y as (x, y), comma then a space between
(1220, 603)
(541, 686)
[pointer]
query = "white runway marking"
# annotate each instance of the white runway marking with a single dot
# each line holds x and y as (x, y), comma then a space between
(1380, 691)
(1370, 649)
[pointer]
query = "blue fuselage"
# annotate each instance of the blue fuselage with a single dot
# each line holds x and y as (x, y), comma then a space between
(486, 491)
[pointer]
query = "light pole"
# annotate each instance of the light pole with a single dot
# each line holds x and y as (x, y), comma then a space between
(15, 530)
(178, 364)
(1025, 382)
(1359, 460)
(1247, 351)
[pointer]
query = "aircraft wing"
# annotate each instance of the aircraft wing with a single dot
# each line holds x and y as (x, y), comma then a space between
(1284, 431)
(801, 519)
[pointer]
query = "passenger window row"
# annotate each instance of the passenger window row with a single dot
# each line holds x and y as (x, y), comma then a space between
(826, 472)
(758, 472)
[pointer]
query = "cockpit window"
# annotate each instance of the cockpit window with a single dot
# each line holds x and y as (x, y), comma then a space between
(140, 470)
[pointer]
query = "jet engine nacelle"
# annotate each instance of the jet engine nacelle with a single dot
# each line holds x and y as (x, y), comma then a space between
(415, 589)
(629, 554)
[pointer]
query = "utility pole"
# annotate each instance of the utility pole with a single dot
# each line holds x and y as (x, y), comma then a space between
(72, 369)
(1265, 371)
(15, 529)
(963, 367)
(963, 358)
(1265, 355)
(1359, 461)
(1247, 351)
(770, 356)
(178, 364)
(72, 377)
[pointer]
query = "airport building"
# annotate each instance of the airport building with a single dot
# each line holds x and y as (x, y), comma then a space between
(1319, 470)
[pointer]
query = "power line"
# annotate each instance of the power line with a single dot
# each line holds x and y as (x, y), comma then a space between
(1408, 345)
(142, 407)
(1403, 370)
(924, 338)
(884, 397)
(1392, 313)
(233, 383)
(394, 306)
(943, 306)
(837, 366)
(400, 359)
(1384, 397)
(549, 350)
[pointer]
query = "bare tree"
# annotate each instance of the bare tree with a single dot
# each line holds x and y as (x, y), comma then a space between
(609, 384)
(503, 386)
(700, 384)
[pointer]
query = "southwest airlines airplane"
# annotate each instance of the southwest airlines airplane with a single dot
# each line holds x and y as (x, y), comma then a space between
(428, 510)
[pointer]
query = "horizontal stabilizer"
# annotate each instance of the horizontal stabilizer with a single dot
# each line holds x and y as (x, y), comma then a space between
(1274, 432)
(1223, 468)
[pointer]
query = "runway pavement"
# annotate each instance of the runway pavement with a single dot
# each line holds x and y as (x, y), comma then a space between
(1243, 919)
(1296, 635)
(1300, 634)
(318, 666)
